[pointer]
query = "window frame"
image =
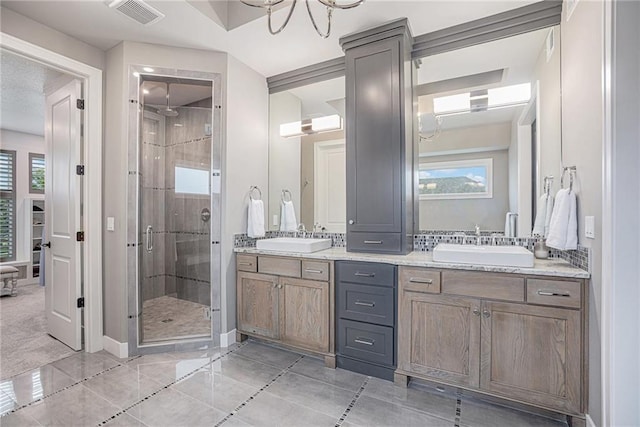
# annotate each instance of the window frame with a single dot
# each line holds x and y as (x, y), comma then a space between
(31, 157)
(467, 163)
(11, 195)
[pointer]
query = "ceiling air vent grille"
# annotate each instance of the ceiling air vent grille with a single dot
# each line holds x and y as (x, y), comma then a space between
(137, 10)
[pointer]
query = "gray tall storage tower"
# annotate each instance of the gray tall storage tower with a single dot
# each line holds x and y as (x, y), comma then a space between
(381, 149)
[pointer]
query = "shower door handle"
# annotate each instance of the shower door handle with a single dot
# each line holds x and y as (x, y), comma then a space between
(149, 238)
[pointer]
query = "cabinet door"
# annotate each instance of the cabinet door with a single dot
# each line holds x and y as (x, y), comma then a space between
(258, 304)
(439, 337)
(374, 139)
(532, 353)
(304, 313)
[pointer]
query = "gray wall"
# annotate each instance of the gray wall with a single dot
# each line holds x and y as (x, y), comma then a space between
(464, 214)
(582, 118)
(36, 33)
(246, 163)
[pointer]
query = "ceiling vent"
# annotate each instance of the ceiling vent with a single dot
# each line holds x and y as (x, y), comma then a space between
(137, 10)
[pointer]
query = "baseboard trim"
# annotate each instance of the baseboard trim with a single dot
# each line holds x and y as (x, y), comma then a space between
(118, 349)
(228, 339)
(589, 420)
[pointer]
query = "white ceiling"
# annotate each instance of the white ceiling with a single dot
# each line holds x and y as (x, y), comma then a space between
(22, 101)
(298, 45)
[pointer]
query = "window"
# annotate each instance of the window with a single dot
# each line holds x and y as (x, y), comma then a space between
(7, 205)
(191, 180)
(463, 179)
(36, 173)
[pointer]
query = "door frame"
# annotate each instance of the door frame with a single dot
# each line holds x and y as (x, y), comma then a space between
(91, 79)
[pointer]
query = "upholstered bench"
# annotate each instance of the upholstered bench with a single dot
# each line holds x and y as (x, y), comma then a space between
(9, 277)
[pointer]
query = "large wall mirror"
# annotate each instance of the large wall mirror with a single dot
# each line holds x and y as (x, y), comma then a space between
(489, 119)
(307, 157)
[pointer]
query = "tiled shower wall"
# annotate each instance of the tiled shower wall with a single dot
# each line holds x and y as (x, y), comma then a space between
(188, 241)
(179, 264)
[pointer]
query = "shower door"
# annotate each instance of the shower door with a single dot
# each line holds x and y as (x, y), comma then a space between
(174, 211)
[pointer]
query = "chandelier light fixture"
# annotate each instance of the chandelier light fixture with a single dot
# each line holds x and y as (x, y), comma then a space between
(329, 4)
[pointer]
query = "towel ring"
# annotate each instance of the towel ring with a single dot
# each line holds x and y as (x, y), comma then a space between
(252, 189)
(283, 196)
(548, 183)
(572, 173)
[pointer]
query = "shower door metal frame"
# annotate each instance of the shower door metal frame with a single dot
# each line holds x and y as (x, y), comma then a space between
(134, 232)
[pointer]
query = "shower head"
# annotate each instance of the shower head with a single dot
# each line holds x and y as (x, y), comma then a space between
(167, 111)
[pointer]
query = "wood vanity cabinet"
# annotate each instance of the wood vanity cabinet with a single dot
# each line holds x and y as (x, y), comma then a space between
(522, 340)
(287, 300)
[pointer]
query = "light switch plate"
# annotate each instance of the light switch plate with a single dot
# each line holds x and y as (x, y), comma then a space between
(275, 220)
(111, 223)
(590, 227)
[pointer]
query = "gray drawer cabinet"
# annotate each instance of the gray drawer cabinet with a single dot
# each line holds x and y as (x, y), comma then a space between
(379, 140)
(366, 318)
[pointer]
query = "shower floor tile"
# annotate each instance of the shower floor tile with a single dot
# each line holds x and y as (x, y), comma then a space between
(168, 317)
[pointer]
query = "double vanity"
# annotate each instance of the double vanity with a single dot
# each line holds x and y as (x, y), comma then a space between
(517, 333)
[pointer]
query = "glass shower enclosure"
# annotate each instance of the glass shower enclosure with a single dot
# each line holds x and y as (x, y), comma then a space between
(177, 213)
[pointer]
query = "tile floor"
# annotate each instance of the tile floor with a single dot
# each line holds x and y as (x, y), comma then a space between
(249, 384)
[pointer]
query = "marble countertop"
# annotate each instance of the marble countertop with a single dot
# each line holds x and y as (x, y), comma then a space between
(542, 267)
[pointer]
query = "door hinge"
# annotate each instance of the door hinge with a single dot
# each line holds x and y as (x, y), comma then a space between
(80, 302)
(79, 169)
(80, 104)
(80, 236)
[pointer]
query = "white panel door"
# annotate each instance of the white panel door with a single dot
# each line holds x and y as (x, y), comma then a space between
(62, 215)
(330, 195)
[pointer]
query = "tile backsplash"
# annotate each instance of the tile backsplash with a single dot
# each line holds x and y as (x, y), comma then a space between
(427, 240)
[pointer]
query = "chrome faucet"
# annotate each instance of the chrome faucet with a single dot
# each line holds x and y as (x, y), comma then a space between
(301, 229)
(478, 236)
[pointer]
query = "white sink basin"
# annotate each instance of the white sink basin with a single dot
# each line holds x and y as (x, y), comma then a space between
(505, 256)
(292, 244)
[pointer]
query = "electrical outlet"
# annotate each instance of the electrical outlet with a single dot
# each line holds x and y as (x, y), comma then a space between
(275, 220)
(111, 223)
(590, 227)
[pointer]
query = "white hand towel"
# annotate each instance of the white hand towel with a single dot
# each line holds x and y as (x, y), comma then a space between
(563, 227)
(255, 220)
(543, 216)
(288, 220)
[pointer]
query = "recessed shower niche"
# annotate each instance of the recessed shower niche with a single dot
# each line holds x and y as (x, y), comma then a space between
(176, 294)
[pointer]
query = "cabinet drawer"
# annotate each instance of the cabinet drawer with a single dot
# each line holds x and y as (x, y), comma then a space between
(371, 343)
(315, 270)
(483, 285)
(419, 280)
(554, 292)
(280, 266)
(374, 304)
(366, 273)
(374, 242)
(247, 263)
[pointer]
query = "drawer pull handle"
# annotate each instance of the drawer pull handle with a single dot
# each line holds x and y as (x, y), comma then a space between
(373, 242)
(245, 263)
(365, 303)
(310, 270)
(365, 274)
(554, 293)
(364, 341)
(418, 280)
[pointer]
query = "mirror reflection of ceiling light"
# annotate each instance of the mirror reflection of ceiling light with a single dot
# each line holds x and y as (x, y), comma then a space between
(311, 126)
(507, 96)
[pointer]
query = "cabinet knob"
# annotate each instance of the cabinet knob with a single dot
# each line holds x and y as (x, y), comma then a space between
(476, 311)
(486, 313)
(351, 222)
(280, 286)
